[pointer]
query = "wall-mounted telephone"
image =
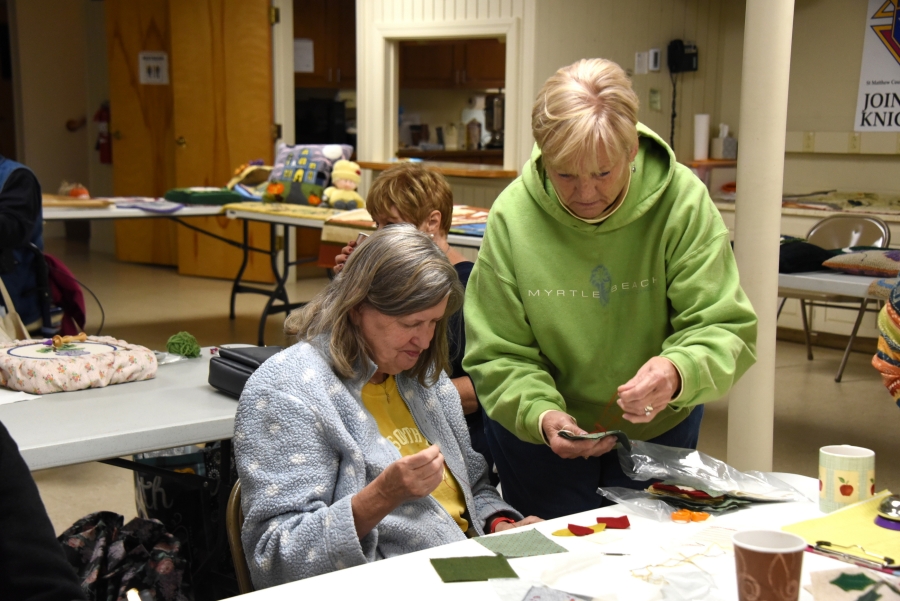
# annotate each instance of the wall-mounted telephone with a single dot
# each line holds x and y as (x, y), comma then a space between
(681, 57)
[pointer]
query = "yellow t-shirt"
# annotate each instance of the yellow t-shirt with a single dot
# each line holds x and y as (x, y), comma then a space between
(396, 423)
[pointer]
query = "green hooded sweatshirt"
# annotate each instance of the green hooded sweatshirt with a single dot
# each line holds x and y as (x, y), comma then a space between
(560, 313)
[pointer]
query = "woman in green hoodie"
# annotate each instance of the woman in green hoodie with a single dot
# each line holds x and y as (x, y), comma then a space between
(605, 297)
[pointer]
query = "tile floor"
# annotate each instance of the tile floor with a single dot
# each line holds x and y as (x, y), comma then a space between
(147, 304)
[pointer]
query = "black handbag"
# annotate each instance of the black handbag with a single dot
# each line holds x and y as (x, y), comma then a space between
(229, 371)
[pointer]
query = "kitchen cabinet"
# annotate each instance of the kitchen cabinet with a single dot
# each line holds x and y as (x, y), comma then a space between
(474, 64)
(331, 25)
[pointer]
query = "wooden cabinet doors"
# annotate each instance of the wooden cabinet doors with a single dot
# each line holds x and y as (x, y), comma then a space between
(331, 26)
(474, 64)
(485, 64)
(428, 65)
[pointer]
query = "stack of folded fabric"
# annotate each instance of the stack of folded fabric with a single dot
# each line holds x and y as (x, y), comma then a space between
(695, 499)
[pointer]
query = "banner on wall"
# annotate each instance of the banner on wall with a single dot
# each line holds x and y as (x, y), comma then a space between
(878, 102)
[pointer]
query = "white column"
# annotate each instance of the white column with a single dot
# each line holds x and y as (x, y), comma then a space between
(764, 94)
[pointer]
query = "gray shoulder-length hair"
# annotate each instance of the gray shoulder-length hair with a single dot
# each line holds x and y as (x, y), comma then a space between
(397, 271)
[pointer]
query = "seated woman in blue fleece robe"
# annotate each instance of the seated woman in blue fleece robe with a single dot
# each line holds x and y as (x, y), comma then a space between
(351, 445)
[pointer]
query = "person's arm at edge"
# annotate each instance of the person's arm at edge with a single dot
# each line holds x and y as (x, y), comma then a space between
(20, 206)
(31, 558)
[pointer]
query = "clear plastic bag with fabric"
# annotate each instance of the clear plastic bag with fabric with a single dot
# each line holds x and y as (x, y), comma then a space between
(689, 467)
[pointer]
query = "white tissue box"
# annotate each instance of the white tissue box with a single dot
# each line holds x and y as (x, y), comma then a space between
(723, 148)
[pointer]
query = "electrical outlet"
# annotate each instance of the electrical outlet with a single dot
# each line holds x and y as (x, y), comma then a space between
(853, 143)
(809, 141)
(655, 100)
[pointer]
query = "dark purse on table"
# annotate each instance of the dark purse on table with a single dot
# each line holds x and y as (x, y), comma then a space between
(229, 371)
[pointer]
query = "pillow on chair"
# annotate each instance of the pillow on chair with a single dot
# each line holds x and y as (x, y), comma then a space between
(875, 263)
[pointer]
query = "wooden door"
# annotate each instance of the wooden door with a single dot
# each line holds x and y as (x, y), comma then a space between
(485, 64)
(141, 125)
(223, 105)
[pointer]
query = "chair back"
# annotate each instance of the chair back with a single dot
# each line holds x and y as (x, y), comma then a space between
(234, 521)
(842, 231)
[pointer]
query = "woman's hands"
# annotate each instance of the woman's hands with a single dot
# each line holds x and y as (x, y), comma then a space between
(649, 391)
(554, 421)
(507, 525)
(641, 399)
(410, 477)
(340, 259)
(413, 476)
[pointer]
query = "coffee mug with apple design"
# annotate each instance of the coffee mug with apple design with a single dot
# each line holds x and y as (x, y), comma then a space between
(846, 475)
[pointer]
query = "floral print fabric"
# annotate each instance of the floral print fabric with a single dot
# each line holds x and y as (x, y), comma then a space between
(111, 559)
(74, 368)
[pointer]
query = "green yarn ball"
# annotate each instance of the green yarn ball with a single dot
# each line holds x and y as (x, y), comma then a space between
(183, 343)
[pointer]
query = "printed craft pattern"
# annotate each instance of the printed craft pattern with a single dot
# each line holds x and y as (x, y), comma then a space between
(35, 367)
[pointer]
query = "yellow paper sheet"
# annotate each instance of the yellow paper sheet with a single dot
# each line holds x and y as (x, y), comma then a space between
(853, 525)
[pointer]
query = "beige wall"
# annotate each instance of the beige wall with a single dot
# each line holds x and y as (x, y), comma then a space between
(825, 67)
(96, 92)
(574, 29)
(826, 56)
(50, 35)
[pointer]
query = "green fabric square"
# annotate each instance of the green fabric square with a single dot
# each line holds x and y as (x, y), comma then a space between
(473, 569)
(520, 544)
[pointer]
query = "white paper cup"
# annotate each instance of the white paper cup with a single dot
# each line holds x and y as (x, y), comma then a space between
(846, 475)
(768, 564)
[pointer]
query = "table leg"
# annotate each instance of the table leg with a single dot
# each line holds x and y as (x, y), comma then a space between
(806, 334)
(235, 288)
(280, 279)
(859, 317)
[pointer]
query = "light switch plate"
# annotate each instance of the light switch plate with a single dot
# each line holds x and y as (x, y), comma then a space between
(654, 59)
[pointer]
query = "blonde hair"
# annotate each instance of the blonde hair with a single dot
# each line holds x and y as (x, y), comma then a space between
(582, 106)
(397, 271)
(415, 191)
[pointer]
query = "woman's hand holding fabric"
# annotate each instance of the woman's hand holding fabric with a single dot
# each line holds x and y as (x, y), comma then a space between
(649, 391)
(554, 421)
(408, 478)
